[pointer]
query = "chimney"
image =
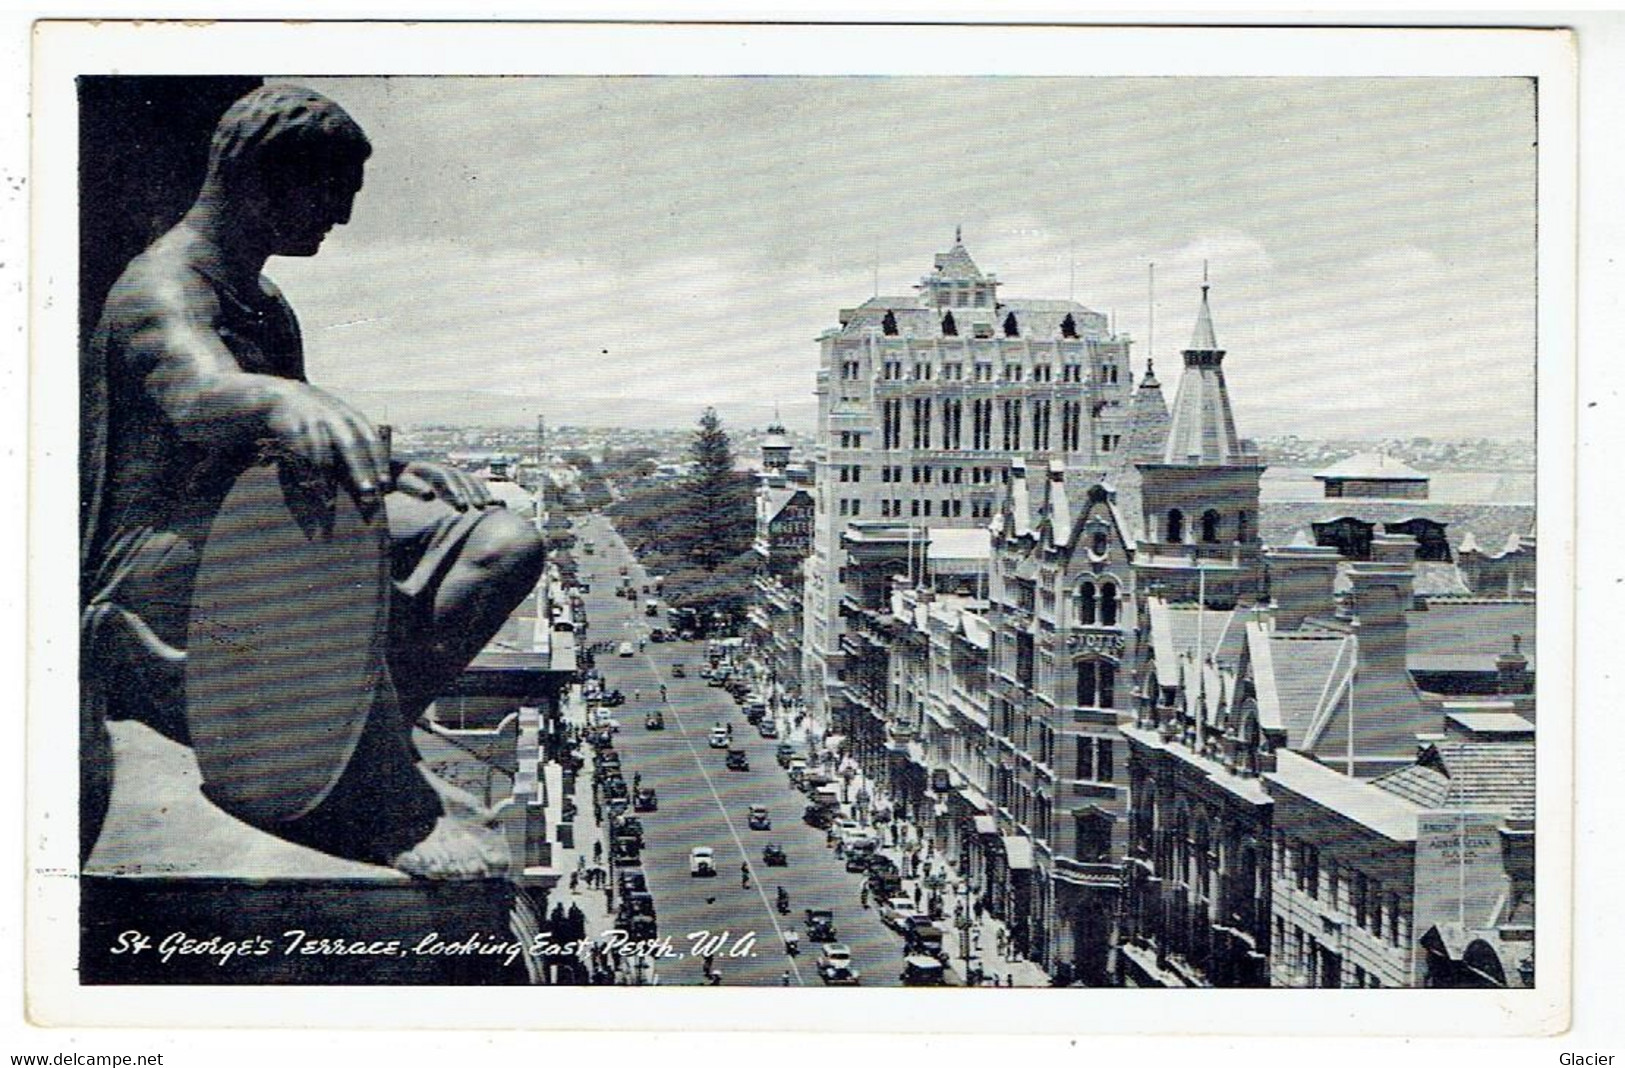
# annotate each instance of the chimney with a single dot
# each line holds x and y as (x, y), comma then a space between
(1388, 708)
(1512, 670)
(1301, 578)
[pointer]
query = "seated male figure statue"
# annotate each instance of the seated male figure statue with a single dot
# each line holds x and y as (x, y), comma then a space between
(195, 372)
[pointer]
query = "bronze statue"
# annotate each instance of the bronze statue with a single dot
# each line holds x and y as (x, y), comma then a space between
(196, 372)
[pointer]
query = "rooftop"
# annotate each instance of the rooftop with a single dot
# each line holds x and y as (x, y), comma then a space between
(1374, 467)
(1379, 810)
(1469, 774)
(1469, 633)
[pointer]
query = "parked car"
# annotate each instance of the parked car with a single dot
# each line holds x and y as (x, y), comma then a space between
(766, 729)
(784, 753)
(702, 861)
(858, 856)
(925, 940)
(895, 911)
(759, 819)
(631, 881)
(923, 971)
(835, 965)
(819, 816)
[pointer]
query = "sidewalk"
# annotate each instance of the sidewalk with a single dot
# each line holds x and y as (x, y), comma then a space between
(985, 936)
(596, 904)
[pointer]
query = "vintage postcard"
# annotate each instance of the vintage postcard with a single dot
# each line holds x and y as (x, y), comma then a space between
(678, 515)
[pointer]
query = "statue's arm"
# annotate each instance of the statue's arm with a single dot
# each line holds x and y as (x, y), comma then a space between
(170, 340)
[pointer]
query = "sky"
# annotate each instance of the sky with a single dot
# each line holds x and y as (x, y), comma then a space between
(627, 251)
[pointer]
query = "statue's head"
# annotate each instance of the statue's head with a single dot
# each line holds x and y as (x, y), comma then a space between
(291, 159)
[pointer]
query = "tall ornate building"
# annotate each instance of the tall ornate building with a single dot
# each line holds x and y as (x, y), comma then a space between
(922, 402)
(784, 511)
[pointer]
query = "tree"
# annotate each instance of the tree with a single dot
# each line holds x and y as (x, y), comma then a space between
(721, 502)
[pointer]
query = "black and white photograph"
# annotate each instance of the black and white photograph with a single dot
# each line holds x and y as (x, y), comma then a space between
(948, 529)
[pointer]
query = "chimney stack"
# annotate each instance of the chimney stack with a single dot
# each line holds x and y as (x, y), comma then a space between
(1388, 708)
(1301, 579)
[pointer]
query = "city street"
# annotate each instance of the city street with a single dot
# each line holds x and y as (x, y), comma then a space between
(702, 803)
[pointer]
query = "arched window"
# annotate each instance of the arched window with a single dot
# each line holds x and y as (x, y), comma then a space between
(1108, 604)
(1210, 526)
(1097, 684)
(1242, 522)
(1086, 605)
(1099, 543)
(888, 325)
(1010, 328)
(1176, 525)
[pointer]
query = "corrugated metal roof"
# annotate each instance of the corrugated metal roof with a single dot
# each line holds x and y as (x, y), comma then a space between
(1468, 634)
(1304, 677)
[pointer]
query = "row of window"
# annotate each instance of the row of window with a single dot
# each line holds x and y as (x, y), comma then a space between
(952, 508)
(1345, 889)
(981, 371)
(1212, 526)
(1313, 964)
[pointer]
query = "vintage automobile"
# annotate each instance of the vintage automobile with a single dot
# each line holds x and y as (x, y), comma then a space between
(737, 761)
(646, 800)
(625, 849)
(632, 882)
(858, 856)
(759, 819)
(894, 912)
(820, 925)
(702, 861)
(835, 965)
(924, 940)
(719, 738)
(885, 881)
(766, 729)
(784, 753)
(678, 671)
(819, 816)
(923, 971)
(654, 721)
(773, 856)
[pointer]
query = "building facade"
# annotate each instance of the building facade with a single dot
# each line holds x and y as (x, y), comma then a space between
(923, 400)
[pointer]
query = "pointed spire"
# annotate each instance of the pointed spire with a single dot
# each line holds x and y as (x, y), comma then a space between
(958, 238)
(1202, 340)
(1149, 379)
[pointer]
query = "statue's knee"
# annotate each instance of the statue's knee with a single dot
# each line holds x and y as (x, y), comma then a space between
(513, 545)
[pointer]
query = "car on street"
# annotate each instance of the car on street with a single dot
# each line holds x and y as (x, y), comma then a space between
(784, 753)
(759, 819)
(678, 671)
(766, 729)
(820, 925)
(894, 910)
(631, 881)
(737, 760)
(835, 965)
(923, 971)
(797, 767)
(924, 940)
(845, 830)
(624, 650)
(858, 856)
(654, 721)
(646, 801)
(702, 860)
(773, 856)
(719, 738)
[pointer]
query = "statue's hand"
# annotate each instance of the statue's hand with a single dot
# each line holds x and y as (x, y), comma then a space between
(318, 430)
(430, 481)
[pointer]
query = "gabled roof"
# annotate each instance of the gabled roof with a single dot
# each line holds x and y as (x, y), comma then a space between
(1372, 466)
(1174, 631)
(1311, 674)
(955, 265)
(1460, 774)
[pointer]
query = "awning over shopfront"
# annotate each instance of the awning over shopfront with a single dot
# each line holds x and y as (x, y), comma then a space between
(1018, 851)
(985, 825)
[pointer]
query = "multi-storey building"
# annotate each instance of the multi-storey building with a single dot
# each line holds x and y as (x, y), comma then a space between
(784, 513)
(1064, 622)
(923, 400)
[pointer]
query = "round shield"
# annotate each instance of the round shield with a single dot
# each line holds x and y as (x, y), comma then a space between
(286, 643)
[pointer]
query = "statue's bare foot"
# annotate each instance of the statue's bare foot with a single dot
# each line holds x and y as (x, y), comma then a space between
(456, 849)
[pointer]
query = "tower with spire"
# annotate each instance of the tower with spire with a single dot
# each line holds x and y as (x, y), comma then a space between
(1198, 495)
(775, 448)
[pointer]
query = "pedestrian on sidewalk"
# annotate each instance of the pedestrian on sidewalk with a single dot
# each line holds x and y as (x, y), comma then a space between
(597, 852)
(574, 877)
(916, 895)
